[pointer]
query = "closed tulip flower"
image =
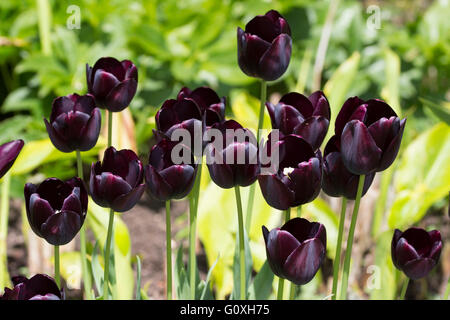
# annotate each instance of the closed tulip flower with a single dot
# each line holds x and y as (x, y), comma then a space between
(296, 250)
(113, 83)
(8, 154)
(416, 251)
(370, 134)
(233, 160)
(337, 180)
(116, 182)
(165, 179)
(56, 209)
(38, 287)
(264, 48)
(296, 179)
(74, 123)
(306, 117)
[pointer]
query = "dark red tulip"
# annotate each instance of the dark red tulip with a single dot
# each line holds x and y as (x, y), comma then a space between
(416, 251)
(168, 180)
(370, 134)
(74, 123)
(337, 180)
(296, 250)
(264, 48)
(56, 209)
(232, 159)
(113, 83)
(38, 287)
(116, 182)
(8, 154)
(306, 117)
(296, 179)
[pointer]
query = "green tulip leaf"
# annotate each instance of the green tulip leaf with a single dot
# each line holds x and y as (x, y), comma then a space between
(261, 286)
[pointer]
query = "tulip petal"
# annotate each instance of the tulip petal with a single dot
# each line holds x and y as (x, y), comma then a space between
(131, 71)
(110, 65)
(102, 84)
(250, 50)
(360, 153)
(127, 201)
(180, 178)
(40, 212)
(302, 265)
(436, 251)
(419, 239)
(121, 95)
(313, 130)
(347, 110)
(264, 27)
(299, 102)
(58, 141)
(320, 103)
(8, 154)
(54, 191)
(72, 202)
(157, 186)
(391, 151)
(306, 181)
(61, 228)
(418, 268)
(204, 97)
(282, 246)
(275, 192)
(275, 61)
(377, 109)
(404, 252)
(61, 105)
(396, 237)
(286, 118)
(40, 284)
(351, 187)
(91, 131)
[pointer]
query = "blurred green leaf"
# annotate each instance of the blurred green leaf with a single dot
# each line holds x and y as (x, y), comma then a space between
(261, 286)
(381, 285)
(237, 268)
(441, 112)
(71, 269)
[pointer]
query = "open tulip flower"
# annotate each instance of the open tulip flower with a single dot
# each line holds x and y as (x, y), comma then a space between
(416, 251)
(337, 180)
(113, 83)
(296, 250)
(165, 179)
(38, 287)
(370, 134)
(264, 48)
(8, 154)
(297, 178)
(231, 161)
(306, 117)
(56, 209)
(116, 182)
(74, 123)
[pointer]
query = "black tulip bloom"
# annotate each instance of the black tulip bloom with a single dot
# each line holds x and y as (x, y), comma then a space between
(168, 180)
(74, 124)
(370, 134)
(38, 287)
(296, 250)
(8, 154)
(116, 182)
(56, 210)
(113, 83)
(306, 117)
(297, 178)
(232, 158)
(264, 48)
(416, 251)
(337, 180)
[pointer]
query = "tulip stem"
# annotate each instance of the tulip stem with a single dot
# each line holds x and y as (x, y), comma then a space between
(4, 214)
(251, 195)
(287, 216)
(84, 267)
(193, 207)
(351, 233)
(293, 292)
(447, 291)
(57, 273)
(241, 244)
(107, 254)
(110, 121)
(337, 257)
(168, 252)
(404, 288)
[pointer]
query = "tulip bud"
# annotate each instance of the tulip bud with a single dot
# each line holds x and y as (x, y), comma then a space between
(165, 179)
(117, 182)
(264, 48)
(38, 287)
(370, 134)
(337, 180)
(296, 250)
(297, 178)
(232, 157)
(416, 251)
(306, 117)
(55, 209)
(112, 83)
(74, 123)
(8, 154)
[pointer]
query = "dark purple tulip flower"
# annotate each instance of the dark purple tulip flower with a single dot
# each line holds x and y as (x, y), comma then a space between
(116, 182)
(233, 160)
(38, 287)
(370, 134)
(306, 117)
(165, 179)
(56, 209)
(416, 251)
(297, 178)
(296, 250)
(264, 48)
(8, 154)
(74, 123)
(113, 83)
(337, 180)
